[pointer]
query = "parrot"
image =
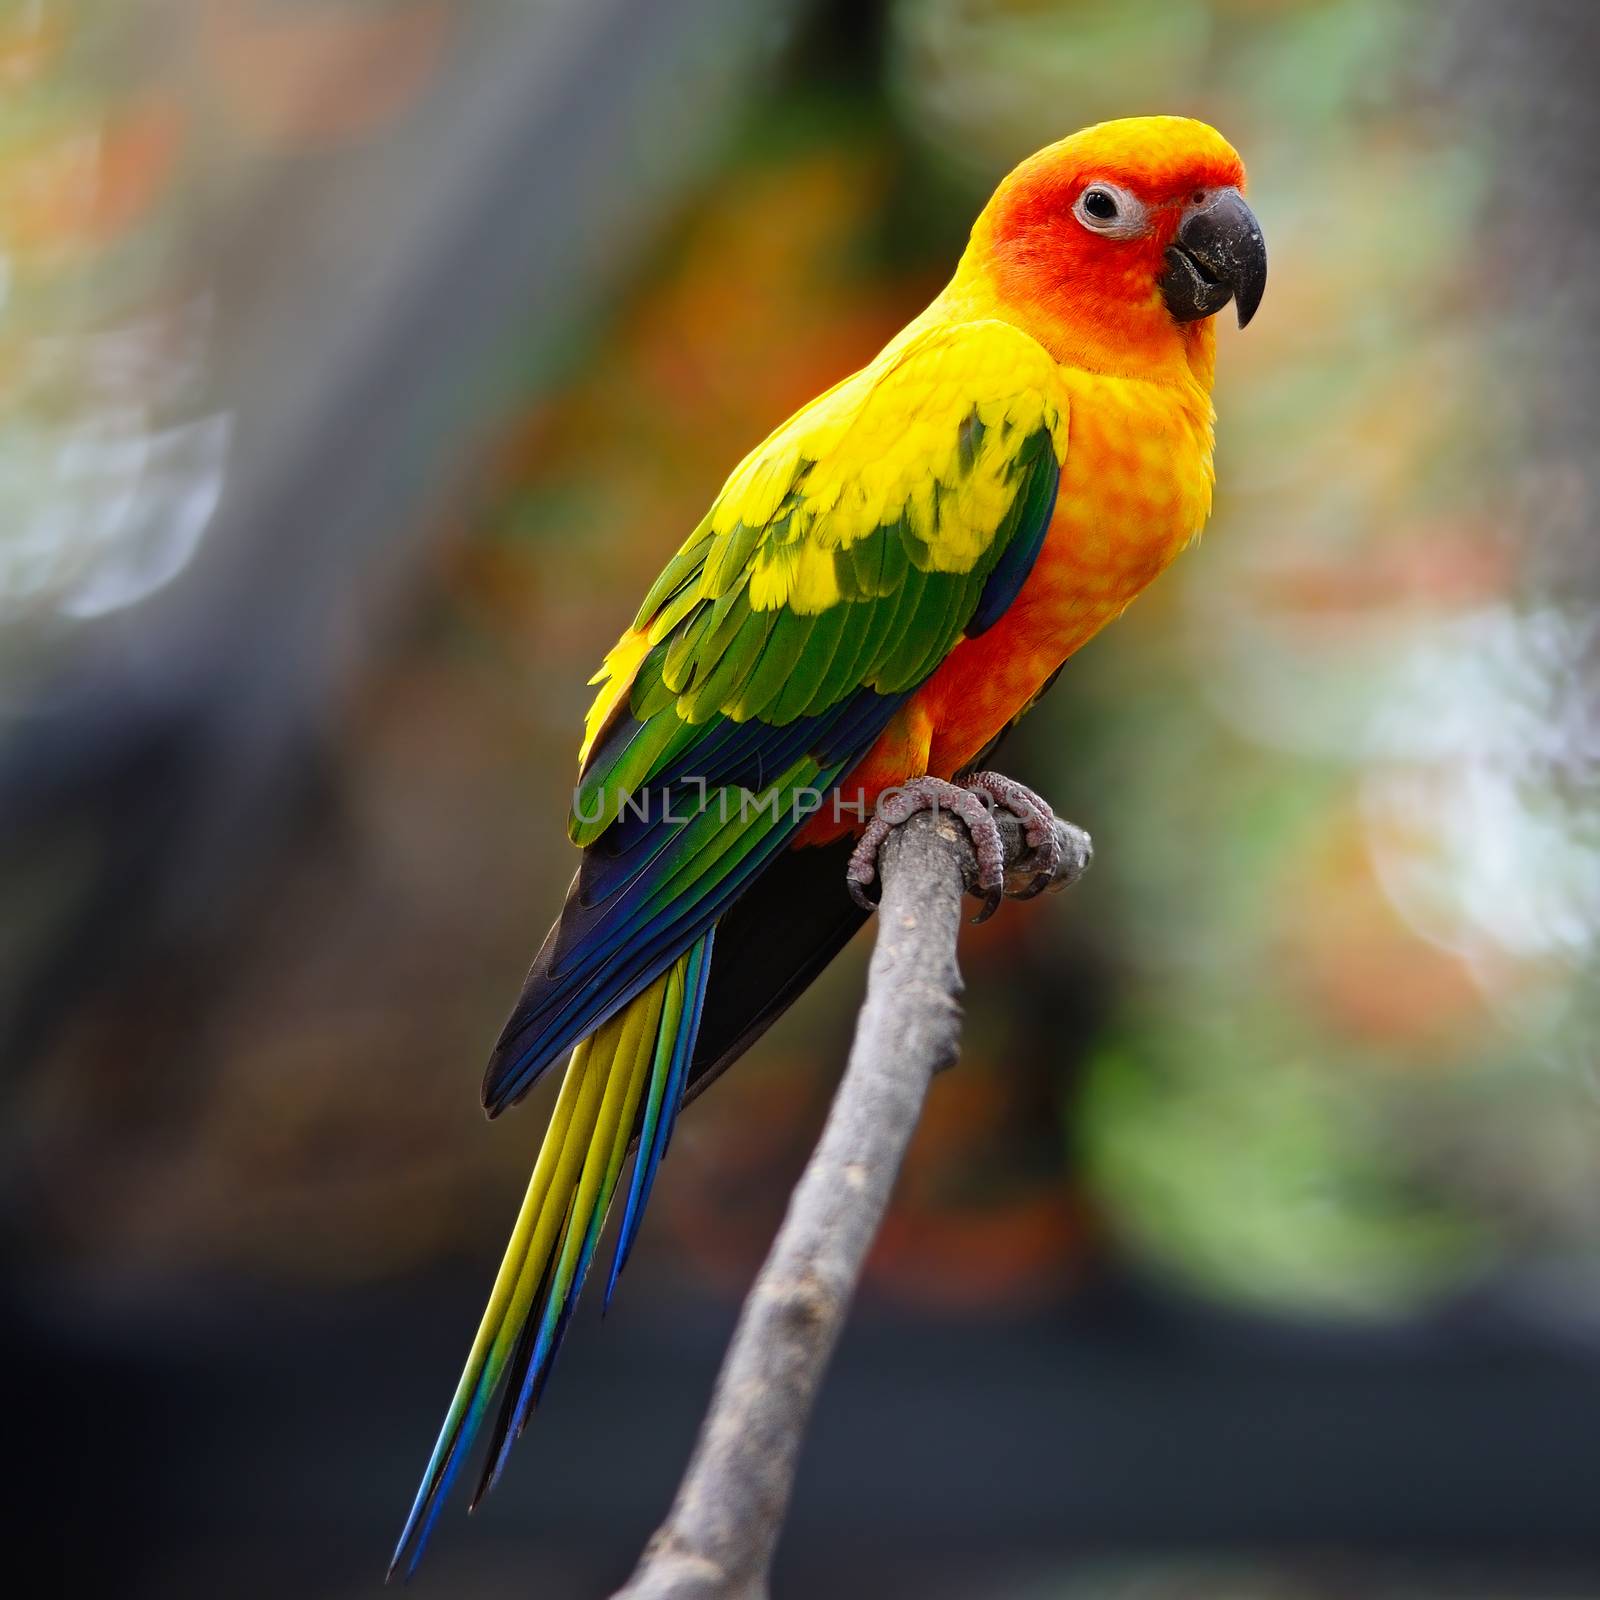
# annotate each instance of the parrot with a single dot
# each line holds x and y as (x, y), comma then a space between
(882, 587)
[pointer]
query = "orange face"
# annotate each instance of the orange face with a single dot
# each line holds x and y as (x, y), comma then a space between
(1121, 237)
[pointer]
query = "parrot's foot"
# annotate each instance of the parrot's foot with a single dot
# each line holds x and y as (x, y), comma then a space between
(1038, 825)
(931, 794)
(971, 801)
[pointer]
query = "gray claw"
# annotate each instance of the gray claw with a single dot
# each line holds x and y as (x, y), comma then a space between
(930, 794)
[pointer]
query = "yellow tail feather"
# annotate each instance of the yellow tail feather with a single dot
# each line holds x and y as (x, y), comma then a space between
(574, 1180)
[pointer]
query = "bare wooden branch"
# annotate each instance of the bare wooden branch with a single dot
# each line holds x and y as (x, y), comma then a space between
(718, 1540)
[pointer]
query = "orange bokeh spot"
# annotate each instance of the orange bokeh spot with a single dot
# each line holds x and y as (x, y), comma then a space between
(81, 189)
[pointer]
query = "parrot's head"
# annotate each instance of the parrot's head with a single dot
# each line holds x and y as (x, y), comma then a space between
(1115, 247)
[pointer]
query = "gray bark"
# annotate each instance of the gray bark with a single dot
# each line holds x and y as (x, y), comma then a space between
(718, 1540)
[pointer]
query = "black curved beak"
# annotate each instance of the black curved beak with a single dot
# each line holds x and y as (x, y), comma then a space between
(1217, 256)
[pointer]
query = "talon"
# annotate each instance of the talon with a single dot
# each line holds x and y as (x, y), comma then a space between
(862, 871)
(1048, 854)
(858, 893)
(1038, 825)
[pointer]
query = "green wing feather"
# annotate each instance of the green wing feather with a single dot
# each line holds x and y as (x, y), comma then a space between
(849, 552)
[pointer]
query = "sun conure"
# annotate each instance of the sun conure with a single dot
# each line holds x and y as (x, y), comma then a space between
(881, 588)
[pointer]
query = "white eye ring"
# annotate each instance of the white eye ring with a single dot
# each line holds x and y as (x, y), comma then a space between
(1105, 209)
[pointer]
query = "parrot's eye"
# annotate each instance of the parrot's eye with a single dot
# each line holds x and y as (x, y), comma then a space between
(1104, 208)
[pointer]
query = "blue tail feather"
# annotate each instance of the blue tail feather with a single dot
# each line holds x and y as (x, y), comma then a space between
(531, 1326)
(661, 1110)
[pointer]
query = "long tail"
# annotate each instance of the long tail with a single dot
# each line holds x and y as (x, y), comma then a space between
(628, 1075)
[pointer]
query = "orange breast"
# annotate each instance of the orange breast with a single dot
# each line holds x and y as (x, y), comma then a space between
(1135, 489)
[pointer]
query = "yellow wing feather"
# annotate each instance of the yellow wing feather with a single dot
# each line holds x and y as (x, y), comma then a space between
(892, 441)
(922, 444)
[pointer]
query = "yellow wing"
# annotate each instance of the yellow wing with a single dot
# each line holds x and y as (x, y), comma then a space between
(854, 546)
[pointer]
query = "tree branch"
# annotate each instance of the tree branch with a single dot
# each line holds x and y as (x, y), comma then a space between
(718, 1540)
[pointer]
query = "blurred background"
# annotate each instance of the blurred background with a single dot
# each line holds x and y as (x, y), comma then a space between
(360, 362)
